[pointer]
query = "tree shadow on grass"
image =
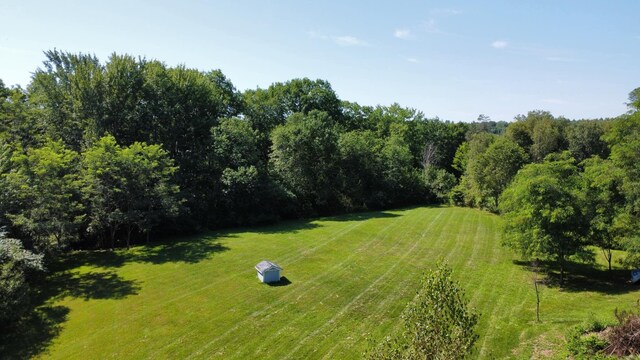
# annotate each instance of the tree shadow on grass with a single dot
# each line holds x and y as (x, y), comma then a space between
(32, 335)
(361, 216)
(185, 251)
(95, 258)
(295, 226)
(87, 286)
(35, 333)
(283, 282)
(284, 227)
(583, 277)
(191, 251)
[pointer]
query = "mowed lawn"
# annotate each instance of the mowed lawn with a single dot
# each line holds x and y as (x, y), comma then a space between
(348, 278)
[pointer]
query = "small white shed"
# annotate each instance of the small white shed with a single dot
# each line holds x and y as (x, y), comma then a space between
(268, 272)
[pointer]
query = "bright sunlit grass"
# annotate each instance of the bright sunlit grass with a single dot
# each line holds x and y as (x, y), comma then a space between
(348, 278)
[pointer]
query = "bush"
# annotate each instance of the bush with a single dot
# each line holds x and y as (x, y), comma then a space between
(584, 342)
(15, 266)
(437, 323)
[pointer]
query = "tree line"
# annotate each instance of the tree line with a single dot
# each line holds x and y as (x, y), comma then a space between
(107, 154)
(99, 155)
(563, 187)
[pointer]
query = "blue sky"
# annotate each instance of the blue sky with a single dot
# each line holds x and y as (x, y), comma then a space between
(451, 59)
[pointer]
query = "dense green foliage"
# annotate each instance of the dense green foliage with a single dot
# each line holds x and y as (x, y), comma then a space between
(437, 323)
(45, 182)
(127, 188)
(304, 159)
(543, 211)
(16, 264)
(584, 341)
(490, 163)
(604, 205)
(569, 186)
(99, 153)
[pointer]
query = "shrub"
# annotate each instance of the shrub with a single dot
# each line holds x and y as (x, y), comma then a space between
(437, 324)
(15, 265)
(584, 342)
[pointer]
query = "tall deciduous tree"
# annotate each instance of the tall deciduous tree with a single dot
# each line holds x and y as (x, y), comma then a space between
(242, 190)
(235, 144)
(18, 118)
(498, 165)
(267, 108)
(47, 184)
(361, 166)
(102, 189)
(468, 158)
(151, 193)
(604, 204)
(539, 133)
(124, 100)
(490, 163)
(547, 138)
(189, 103)
(439, 183)
(8, 197)
(634, 100)
(127, 188)
(305, 158)
(402, 179)
(584, 139)
(624, 140)
(543, 214)
(70, 90)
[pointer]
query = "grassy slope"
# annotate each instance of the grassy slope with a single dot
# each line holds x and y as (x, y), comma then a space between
(349, 278)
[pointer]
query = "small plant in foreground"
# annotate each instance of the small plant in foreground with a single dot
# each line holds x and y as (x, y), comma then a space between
(586, 342)
(437, 324)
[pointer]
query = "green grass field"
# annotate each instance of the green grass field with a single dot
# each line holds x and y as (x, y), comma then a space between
(348, 278)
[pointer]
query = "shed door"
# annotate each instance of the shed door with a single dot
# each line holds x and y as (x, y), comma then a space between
(272, 276)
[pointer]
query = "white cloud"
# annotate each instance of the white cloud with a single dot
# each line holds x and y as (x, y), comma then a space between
(413, 60)
(348, 40)
(402, 33)
(499, 44)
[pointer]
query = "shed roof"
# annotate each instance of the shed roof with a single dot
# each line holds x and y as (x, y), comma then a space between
(265, 265)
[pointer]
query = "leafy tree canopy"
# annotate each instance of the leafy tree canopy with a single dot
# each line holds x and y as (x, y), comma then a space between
(543, 212)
